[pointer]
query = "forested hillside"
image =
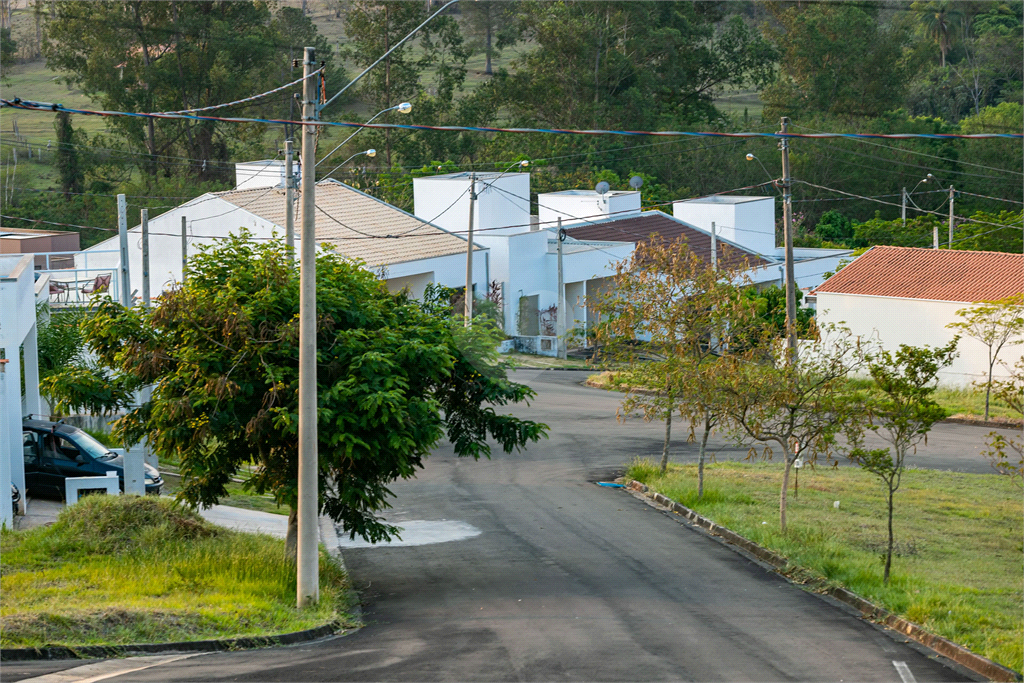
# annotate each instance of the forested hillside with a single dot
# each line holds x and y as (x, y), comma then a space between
(869, 67)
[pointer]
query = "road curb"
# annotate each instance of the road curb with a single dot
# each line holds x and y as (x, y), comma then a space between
(994, 424)
(868, 610)
(22, 654)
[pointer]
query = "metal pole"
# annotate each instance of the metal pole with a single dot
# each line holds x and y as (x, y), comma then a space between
(714, 247)
(308, 569)
(903, 207)
(289, 199)
(935, 236)
(787, 219)
(469, 251)
(145, 258)
(184, 247)
(951, 200)
(122, 229)
(560, 311)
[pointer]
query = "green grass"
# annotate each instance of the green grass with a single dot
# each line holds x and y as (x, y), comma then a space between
(237, 495)
(526, 360)
(126, 569)
(958, 567)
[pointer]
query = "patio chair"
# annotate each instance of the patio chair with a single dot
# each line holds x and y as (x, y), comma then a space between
(98, 286)
(59, 289)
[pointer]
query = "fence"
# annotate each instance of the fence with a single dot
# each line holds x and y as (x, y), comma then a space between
(80, 286)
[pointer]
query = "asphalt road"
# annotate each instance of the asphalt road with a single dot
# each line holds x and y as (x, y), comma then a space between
(570, 581)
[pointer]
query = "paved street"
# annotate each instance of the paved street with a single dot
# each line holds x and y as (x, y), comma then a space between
(555, 578)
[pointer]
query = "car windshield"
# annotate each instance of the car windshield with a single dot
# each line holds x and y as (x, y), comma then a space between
(91, 446)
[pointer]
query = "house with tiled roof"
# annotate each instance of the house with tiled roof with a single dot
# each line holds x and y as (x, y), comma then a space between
(908, 295)
(406, 251)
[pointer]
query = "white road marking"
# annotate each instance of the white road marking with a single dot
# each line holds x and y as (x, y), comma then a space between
(413, 532)
(101, 671)
(904, 671)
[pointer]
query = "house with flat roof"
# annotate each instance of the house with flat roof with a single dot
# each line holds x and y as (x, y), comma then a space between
(907, 295)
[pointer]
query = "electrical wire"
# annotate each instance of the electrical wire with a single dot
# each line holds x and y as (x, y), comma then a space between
(243, 101)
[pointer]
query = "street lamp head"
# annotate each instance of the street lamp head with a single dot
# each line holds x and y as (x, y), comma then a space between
(524, 163)
(404, 108)
(750, 157)
(928, 178)
(370, 153)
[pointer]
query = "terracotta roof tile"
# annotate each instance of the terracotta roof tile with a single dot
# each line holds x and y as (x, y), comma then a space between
(936, 274)
(357, 224)
(642, 227)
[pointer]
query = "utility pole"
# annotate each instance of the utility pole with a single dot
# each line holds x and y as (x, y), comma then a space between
(787, 221)
(469, 250)
(184, 247)
(951, 200)
(714, 247)
(903, 207)
(145, 258)
(289, 200)
(307, 556)
(560, 311)
(122, 230)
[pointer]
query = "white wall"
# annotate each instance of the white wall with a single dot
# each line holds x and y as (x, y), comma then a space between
(572, 205)
(915, 322)
(208, 217)
(267, 173)
(503, 202)
(747, 221)
(449, 271)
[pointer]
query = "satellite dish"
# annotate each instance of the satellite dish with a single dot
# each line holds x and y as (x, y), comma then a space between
(636, 182)
(602, 187)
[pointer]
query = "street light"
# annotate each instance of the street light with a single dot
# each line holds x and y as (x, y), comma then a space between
(403, 108)
(369, 152)
(751, 157)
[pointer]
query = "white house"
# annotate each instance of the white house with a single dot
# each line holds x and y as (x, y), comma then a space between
(20, 292)
(907, 295)
(405, 250)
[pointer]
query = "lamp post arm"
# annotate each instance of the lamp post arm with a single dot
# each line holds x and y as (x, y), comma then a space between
(381, 58)
(357, 131)
(343, 163)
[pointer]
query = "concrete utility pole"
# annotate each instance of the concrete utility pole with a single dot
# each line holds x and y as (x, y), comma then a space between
(122, 229)
(787, 220)
(289, 199)
(184, 247)
(952, 196)
(903, 207)
(145, 258)
(714, 247)
(308, 560)
(560, 311)
(469, 251)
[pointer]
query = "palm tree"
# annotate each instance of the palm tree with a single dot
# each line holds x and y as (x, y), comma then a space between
(942, 22)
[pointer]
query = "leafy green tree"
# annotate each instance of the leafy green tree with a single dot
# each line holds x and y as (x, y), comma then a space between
(770, 307)
(942, 22)
(836, 58)
(221, 353)
(66, 157)
(639, 65)
(8, 49)
(1006, 453)
(995, 324)
(902, 412)
(834, 227)
(492, 27)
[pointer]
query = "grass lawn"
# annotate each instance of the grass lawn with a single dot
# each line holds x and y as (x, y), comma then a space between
(237, 496)
(958, 567)
(125, 569)
(526, 360)
(968, 402)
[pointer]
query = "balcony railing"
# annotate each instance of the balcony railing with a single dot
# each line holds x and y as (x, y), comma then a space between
(73, 282)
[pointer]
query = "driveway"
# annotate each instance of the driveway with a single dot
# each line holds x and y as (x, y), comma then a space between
(547, 576)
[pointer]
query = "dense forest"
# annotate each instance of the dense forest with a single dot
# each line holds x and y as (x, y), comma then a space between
(874, 67)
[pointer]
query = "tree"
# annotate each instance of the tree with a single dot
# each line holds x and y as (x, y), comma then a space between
(492, 27)
(995, 324)
(66, 157)
(8, 49)
(1006, 454)
(902, 412)
(942, 22)
(686, 312)
(221, 353)
(803, 405)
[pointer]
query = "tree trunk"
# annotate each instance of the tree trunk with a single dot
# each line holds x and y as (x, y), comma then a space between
(888, 554)
(785, 488)
(988, 386)
(291, 540)
(700, 461)
(487, 69)
(668, 440)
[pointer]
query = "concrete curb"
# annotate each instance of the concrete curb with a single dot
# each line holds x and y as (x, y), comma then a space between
(108, 651)
(868, 610)
(994, 424)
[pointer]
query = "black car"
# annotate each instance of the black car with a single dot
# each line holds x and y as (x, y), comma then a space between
(15, 496)
(55, 451)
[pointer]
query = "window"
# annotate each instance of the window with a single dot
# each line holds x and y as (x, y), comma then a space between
(30, 446)
(64, 450)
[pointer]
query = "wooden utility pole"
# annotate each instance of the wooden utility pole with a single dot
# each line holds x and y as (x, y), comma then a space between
(145, 258)
(289, 200)
(469, 251)
(307, 556)
(787, 221)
